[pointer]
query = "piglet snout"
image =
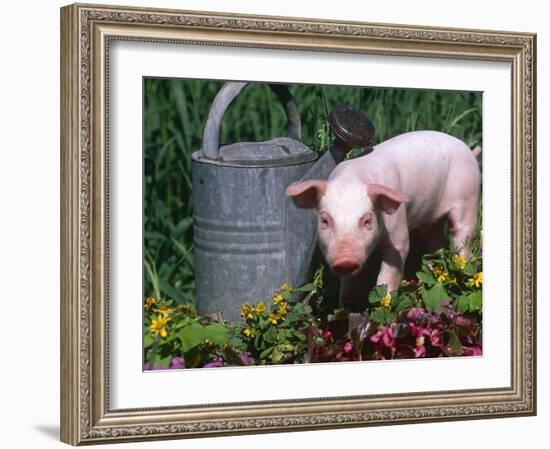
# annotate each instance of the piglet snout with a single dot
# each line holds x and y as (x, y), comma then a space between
(345, 267)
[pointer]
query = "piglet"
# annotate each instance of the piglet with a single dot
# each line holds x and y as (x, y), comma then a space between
(414, 181)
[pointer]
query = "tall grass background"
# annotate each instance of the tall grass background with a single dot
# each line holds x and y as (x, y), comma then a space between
(175, 113)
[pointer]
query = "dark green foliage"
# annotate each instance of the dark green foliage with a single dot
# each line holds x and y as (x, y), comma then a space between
(175, 112)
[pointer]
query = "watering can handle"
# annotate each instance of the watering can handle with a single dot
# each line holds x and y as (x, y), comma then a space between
(211, 137)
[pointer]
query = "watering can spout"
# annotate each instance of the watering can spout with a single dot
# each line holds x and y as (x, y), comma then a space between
(352, 129)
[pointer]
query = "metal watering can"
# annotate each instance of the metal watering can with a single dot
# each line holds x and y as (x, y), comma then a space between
(249, 238)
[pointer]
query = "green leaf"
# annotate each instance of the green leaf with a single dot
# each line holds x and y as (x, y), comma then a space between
(403, 304)
(170, 291)
(426, 278)
(164, 361)
(300, 336)
(450, 125)
(382, 316)
(237, 343)
(266, 352)
(306, 288)
(318, 277)
(217, 333)
(151, 272)
(257, 340)
(455, 344)
(185, 252)
(434, 297)
(270, 335)
(182, 321)
(148, 339)
(287, 347)
(462, 304)
(476, 301)
(192, 336)
(469, 269)
(377, 293)
(181, 227)
(277, 354)
(232, 357)
(154, 235)
(286, 294)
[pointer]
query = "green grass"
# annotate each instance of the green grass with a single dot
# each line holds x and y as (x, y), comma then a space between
(175, 112)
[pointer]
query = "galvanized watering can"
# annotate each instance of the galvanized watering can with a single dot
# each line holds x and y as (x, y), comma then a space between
(249, 238)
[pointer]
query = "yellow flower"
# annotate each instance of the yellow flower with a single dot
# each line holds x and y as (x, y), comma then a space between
(260, 308)
(248, 332)
(440, 274)
(207, 342)
(150, 302)
(386, 301)
(158, 326)
(285, 287)
(164, 310)
(452, 278)
(281, 311)
(247, 311)
(476, 279)
(186, 308)
(273, 318)
(277, 299)
(460, 261)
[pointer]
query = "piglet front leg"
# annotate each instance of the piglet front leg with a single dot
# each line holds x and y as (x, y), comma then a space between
(391, 268)
(394, 250)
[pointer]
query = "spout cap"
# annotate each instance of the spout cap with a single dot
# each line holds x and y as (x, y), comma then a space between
(351, 127)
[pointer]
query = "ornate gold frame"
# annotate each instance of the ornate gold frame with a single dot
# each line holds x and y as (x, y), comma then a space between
(86, 31)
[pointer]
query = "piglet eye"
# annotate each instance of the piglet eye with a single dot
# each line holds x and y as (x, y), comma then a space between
(324, 220)
(366, 220)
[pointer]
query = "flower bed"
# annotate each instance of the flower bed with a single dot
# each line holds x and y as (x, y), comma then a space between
(436, 314)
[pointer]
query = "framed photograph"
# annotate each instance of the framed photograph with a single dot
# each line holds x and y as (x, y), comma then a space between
(281, 224)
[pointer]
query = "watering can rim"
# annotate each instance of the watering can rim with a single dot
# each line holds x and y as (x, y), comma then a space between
(198, 158)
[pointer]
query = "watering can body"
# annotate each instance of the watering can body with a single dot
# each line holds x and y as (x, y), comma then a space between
(249, 238)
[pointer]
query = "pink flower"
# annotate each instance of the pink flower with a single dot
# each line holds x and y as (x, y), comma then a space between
(247, 358)
(420, 351)
(216, 362)
(214, 316)
(435, 337)
(471, 351)
(327, 335)
(348, 347)
(415, 314)
(417, 330)
(384, 336)
(177, 363)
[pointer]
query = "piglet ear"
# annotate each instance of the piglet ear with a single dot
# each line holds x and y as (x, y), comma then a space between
(306, 194)
(386, 199)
